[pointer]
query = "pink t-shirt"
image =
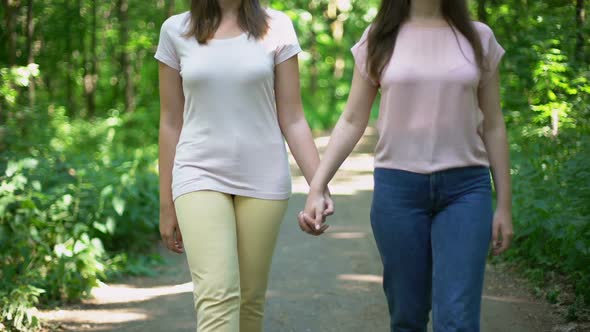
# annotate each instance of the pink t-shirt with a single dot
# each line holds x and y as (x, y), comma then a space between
(230, 141)
(429, 117)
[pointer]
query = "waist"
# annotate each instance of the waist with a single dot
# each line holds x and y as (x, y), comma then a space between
(447, 179)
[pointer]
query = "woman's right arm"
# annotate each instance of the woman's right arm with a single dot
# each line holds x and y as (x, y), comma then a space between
(171, 109)
(348, 131)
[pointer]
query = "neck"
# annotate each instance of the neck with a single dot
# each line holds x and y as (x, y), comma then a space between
(229, 6)
(425, 9)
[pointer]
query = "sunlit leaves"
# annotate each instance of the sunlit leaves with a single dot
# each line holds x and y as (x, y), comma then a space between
(12, 78)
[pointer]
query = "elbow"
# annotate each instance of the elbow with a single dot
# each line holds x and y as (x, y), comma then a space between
(170, 125)
(494, 135)
(494, 125)
(171, 118)
(495, 129)
(355, 120)
(358, 122)
(291, 118)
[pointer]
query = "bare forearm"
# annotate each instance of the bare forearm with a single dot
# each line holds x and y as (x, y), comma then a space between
(348, 130)
(496, 143)
(344, 138)
(168, 140)
(300, 141)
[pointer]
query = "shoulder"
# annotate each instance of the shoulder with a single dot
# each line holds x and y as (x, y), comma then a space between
(280, 26)
(277, 15)
(176, 24)
(365, 34)
(362, 40)
(278, 18)
(487, 37)
(483, 29)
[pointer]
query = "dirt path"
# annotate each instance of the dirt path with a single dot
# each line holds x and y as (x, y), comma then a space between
(317, 284)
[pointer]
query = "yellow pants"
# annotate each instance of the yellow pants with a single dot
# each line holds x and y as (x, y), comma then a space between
(229, 241)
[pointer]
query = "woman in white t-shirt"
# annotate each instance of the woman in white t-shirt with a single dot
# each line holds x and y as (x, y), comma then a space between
(229, 92)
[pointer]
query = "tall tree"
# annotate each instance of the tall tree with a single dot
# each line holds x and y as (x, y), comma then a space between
(9, 22)
(91, 77)
(30, 50)
(314, 51)
(580, 22)
(123, 7)
(170, 8)
(482, 14)
(73, 21)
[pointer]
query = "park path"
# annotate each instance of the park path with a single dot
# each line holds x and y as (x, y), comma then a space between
(322, 284)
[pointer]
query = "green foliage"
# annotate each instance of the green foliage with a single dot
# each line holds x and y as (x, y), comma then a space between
(15, 307)
(73, 197)
(551, 196)
(15, 77)
(552, 89)
(138, 265)
(327, 30)
(546, 94)
(44, 252)
(78, 172)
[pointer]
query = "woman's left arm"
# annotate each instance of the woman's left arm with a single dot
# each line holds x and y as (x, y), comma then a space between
(292, 121)
(496, 143)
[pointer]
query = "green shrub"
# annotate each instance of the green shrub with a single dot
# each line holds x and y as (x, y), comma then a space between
(75, 197)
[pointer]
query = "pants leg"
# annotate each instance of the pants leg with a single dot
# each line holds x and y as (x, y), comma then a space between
(208, 225)
(461, 233)
(258, 224)
(400, 219)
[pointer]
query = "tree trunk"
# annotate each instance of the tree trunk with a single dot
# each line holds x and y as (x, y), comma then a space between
(9, 22)
(84, 49)
(482, 15)
(7, 19)
(554, 123)
(2, 127)
(580, 22)
(315, 55)
(69, 58)
(170, 7)
(30, 50)
(90, 78)
(337, 26)
(125, 59)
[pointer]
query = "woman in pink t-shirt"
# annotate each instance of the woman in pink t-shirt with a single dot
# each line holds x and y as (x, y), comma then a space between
(441, 130)
(229, 95)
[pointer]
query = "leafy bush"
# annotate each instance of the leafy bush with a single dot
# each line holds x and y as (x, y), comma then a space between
(545, 94)
(74, 198)
(551, 195)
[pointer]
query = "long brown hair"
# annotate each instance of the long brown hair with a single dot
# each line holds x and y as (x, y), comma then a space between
(392, 13)
(206, 17)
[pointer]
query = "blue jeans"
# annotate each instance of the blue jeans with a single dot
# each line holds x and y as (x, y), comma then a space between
(433, 232)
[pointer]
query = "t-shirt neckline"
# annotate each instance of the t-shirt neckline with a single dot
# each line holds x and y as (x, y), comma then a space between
(427, 24)
(229, 39)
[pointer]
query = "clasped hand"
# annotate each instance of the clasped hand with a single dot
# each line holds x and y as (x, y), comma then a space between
(318, 207)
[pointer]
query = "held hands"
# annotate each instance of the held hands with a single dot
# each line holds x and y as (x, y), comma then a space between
(318, 206)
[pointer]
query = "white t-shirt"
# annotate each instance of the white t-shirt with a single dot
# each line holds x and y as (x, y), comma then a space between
(230, 141)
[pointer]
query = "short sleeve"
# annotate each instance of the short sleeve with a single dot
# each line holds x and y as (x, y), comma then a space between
(166, 51)
(493, 53)
(359, 52)
(288, 45)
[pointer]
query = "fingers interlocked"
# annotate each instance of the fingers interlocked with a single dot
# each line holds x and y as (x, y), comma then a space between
(313, 226)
